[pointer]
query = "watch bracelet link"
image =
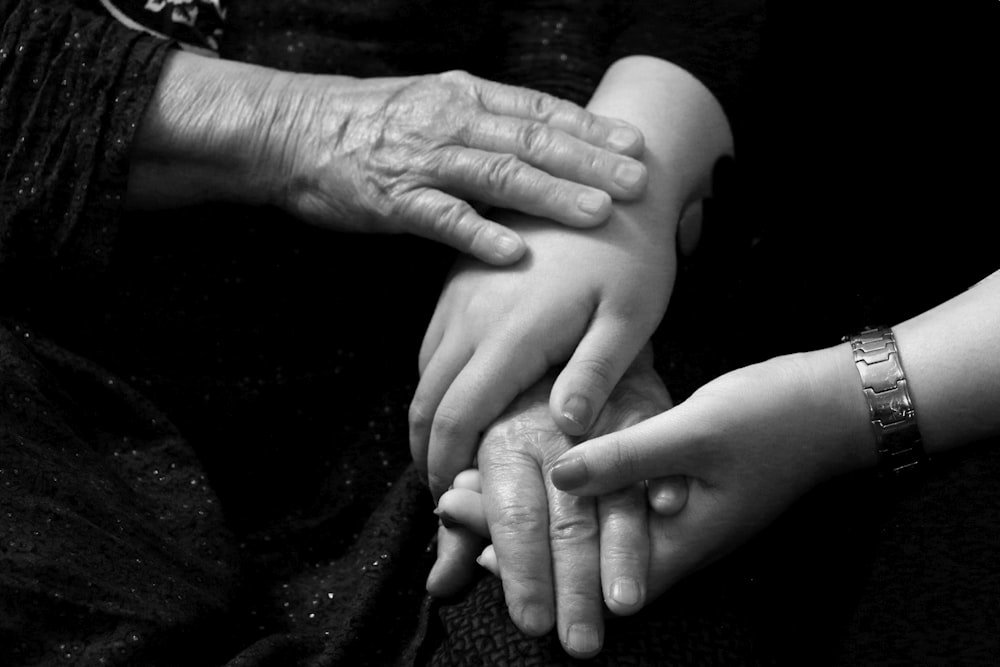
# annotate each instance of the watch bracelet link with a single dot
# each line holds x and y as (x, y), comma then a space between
(894, 421)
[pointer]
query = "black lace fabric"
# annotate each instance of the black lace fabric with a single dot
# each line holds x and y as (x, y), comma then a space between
(203, 438)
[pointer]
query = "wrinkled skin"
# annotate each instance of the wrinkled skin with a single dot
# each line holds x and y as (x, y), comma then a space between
(601, 550)
(415, 154)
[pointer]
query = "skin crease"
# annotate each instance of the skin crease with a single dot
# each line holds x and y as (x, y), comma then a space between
(584, 300)
(385, 155)
(743, 460)
(599, 548)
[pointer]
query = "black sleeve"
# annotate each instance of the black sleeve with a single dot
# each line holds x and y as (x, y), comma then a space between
(73, 87)
(556, 46)
(564, 46)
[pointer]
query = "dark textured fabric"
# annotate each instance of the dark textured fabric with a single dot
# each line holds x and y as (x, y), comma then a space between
(73, 85)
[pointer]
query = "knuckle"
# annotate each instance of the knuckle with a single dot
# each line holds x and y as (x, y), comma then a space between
(501, 172)
(600, 373)
(572, 528)
(448, 424)
(534, 138)
(543, 104)
(587, 122)
(456, 75)
(420, 415)
(450, 218)
(623, 556)
(518, 519)
(504, 453)
(594, 162)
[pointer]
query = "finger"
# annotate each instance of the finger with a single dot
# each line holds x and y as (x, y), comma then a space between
(483, 389)
(576, 571)
(469, 479)
(517, 511)
(600, 360)
(455, 567)
(665, 445)
(462, 507)
(667, 495)
(441, 217)
(559, 154)
(432, 338)
(611, 133)
(504, 180)
(624, 549)
(693, 538)
(449, 359)
(488, 560)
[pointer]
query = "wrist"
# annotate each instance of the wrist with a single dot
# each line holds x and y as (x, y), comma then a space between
(206, 134)
(686, 131)
(846, 410)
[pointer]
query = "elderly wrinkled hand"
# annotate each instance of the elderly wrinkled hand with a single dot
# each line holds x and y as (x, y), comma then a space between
(414, 154)
(560, 557)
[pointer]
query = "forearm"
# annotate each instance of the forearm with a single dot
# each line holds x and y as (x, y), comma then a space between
(951, 358)
(203, 136)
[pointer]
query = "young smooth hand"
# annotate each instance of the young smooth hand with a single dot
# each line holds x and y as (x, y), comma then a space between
(587, 298)
(749, 443)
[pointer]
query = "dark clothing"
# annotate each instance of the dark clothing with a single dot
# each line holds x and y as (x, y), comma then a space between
(217, 474)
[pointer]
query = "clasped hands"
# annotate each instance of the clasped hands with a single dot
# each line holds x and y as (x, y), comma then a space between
(575, 527)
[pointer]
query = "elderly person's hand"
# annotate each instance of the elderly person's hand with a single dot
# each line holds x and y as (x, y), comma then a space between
(382, 155)
(559, 557)
(587, 298)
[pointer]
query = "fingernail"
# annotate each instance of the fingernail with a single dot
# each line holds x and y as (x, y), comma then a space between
(583, 638)
(577, 410)
(447, 520)
(628, 174)
(506, 245)
(625, 591)
(569, 474)
(536, 619)
(592, 202)
(488, 560)
(621, 138)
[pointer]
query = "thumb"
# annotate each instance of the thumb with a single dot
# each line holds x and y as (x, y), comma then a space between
(604, 354)
(662, 446)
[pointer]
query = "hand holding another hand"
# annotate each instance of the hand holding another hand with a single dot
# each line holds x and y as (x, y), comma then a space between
(561, 558)
(589, 299)
(749, 443)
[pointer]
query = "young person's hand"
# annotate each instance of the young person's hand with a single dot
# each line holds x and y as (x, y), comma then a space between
(589, 299)
(752, 441)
